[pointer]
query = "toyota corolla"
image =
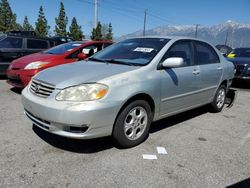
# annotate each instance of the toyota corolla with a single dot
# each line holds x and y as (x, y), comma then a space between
(119, 91)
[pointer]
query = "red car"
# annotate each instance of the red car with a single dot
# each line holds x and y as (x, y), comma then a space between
(23, 69)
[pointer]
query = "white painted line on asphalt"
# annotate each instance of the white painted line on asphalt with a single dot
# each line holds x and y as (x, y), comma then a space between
(149, 157)
(161, 150)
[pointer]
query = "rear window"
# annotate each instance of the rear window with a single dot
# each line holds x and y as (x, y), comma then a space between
(11, 42)
(37, 44)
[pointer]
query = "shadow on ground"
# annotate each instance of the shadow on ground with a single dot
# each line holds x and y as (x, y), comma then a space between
(241, 85)
(242, 184)
(16, 90)
(100, 144)
(3, 77)
(179, 118)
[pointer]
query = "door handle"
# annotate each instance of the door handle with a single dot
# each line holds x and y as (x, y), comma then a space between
(195, 72)
(219, 68)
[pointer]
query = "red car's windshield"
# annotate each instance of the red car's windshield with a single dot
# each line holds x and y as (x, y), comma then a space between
(63, 48)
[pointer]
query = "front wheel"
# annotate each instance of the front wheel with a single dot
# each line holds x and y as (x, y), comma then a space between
(219, 99)
(132, 124)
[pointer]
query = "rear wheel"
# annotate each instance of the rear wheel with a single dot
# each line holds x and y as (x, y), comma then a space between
(219, 99)
(132, 124)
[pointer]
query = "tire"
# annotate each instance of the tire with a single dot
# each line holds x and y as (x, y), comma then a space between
(219, 99)
(132, 124)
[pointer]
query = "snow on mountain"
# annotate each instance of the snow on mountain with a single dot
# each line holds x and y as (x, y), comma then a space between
(238, 34)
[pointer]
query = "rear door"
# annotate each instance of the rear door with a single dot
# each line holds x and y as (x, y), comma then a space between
(210, 70)
(180, 86)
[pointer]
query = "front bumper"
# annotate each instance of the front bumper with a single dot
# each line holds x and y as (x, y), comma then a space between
(21, 77)
(79, 120)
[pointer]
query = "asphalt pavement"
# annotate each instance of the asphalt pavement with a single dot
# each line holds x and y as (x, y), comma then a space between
(203, 150)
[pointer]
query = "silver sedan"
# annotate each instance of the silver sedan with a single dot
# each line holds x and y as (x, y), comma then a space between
(119, 91)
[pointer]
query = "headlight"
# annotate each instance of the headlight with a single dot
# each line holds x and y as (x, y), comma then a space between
(84, 92)
(36, 65)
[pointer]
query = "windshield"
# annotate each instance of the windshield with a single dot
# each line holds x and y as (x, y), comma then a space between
(240, 52)
(63, 48)
(136, 52)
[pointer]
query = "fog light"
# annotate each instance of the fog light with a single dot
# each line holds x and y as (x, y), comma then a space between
(81, 129)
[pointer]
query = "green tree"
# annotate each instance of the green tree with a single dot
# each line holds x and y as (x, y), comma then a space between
(61, 22)
(26, 25)
(97, 32)
(75, 30)
(109, 35)
(42, 27)
(7, 17)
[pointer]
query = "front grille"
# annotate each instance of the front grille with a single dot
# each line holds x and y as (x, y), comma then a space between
(239, 69)
(41, 89)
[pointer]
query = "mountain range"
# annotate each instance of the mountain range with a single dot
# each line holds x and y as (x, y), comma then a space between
(231, 33)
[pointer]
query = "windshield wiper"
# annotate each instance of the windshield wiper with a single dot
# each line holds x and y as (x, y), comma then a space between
(95, 59)
(114, 61)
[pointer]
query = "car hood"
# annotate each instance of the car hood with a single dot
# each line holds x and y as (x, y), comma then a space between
(23, 61)
(81, 72)
(240, 60)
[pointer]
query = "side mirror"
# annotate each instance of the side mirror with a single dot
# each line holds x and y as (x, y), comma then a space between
(173, 62)
(82, 56)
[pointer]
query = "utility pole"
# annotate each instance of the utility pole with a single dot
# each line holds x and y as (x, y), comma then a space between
(226, 37)
(96, 14)
(145, 19)
(196, 30)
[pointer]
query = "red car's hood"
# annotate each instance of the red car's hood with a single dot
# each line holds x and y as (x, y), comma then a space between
(23, 61)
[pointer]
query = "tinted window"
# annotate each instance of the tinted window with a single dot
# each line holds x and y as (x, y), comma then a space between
(11, 42)
(206, 54)
(37, 44)
(181, 49)
(138, 51)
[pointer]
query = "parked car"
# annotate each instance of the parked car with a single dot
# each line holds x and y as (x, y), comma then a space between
(23, 69)
(120, 90)
(241, 59)
(16, 45)
(61, 40)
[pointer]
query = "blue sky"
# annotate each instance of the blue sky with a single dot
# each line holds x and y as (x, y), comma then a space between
(127, 16)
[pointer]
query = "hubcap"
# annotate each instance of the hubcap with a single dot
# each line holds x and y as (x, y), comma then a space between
(135, 123)
(221, 98)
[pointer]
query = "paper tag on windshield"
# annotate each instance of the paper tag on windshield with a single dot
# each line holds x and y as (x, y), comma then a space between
(140, 49)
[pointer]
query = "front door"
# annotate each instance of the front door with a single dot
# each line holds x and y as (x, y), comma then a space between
(180, 86)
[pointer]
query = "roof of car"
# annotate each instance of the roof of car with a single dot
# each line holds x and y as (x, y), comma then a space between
(172, 37)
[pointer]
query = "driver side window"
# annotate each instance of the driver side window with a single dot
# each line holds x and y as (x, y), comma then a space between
(182, 49)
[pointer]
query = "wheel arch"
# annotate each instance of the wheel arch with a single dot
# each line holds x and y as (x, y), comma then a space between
(139, 96)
